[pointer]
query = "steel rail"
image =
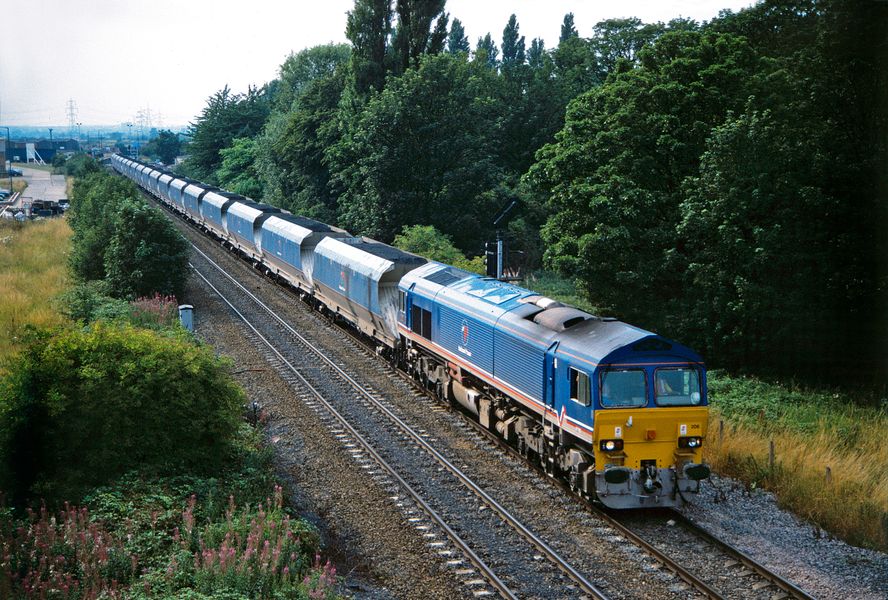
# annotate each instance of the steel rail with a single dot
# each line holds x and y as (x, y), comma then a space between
(747, 561)
(504, 514)
(476, 560)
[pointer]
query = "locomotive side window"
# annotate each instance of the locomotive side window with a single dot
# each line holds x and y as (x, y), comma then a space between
(579, 387)
(421, 322)
(622, 388)
(677, 387)
(402, 302)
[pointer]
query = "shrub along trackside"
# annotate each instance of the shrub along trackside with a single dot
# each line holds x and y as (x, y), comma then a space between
(120, 239)
(130, 420)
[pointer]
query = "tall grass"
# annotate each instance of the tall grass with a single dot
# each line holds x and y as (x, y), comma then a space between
(830, 454)
(33, 271)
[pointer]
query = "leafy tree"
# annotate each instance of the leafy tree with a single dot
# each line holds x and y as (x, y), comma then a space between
(414, 35)
(513, 46)
(536, 53)
(80, 165)
(165, 147)
(305, 66)
(291, 152)
(225, 117)
(576, 67)
(427, 241)
(145, 254)
(621, 39)
(614, 176)
(368, 27)
(237, 173)
(95, 200)
(486, 52)
(457, 41)
(84, 406)
(567, 28)
(422, 152)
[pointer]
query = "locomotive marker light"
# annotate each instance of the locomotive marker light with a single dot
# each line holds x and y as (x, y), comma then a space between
(611, 445)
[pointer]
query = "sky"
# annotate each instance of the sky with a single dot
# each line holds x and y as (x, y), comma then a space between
(116, 58)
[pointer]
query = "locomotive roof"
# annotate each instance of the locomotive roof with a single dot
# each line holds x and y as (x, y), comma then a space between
(520, 311)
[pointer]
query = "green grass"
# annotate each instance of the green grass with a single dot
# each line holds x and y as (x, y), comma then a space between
(33, 271)
(47, 168)
(813, 431)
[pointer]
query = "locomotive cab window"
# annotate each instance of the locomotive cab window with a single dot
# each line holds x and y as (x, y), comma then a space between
(579, 387)
(623, 388)
(402, 301)
(677, 387)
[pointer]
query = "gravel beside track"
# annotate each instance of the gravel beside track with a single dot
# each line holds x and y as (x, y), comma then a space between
(369, 537)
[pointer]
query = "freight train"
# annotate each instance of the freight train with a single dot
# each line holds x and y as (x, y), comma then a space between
(618, 412)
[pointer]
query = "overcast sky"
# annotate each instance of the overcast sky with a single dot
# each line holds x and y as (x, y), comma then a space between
(117, 57)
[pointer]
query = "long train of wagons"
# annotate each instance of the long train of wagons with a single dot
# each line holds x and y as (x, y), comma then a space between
(620, 412)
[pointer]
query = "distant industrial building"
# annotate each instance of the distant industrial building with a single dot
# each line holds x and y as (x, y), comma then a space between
(18, 151)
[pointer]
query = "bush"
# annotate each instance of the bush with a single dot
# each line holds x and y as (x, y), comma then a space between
(146, 255)
(80, 165)
(118, 237)
(83, 407)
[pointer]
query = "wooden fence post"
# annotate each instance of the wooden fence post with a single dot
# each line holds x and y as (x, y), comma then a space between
(771, 454)
(828, 476)
(721, 431)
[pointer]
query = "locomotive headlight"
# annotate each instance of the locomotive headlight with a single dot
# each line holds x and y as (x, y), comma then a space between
(611, 445)
(690, 442)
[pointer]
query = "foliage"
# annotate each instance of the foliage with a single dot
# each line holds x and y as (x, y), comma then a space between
(61, 556)
(421, 29)
(426, 141)
(32, 270)
(302, 68)
(457, 41)
(430, 243)
(179, 536)
(291, 151)
(225, 117)
(812, 430)
(237, 173)
(119, 238)
(81, 165)
(146, 254)
(164, 147)
(85, 406)
(368, 27)
(612, 177)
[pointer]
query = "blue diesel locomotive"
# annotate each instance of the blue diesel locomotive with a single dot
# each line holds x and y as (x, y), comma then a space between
(619, 412)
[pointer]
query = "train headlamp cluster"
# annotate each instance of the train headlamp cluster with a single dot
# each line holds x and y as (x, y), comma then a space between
(692, 442)
(610, 445)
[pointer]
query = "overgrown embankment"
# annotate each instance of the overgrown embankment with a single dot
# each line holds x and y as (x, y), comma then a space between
(32, 272)
(125, 464)
(829, 452)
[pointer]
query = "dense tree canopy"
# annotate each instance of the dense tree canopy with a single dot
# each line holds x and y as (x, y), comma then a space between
(716, 183)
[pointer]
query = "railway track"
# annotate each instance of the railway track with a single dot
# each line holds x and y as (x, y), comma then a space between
(528, 578)
(767, 582)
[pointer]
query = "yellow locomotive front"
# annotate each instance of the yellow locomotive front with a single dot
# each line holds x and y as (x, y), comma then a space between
(649, 429)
